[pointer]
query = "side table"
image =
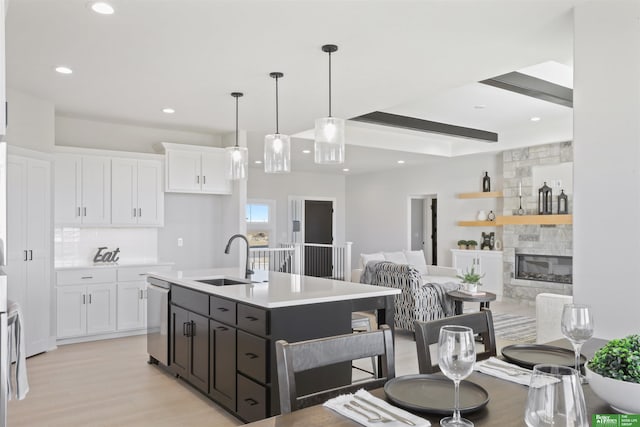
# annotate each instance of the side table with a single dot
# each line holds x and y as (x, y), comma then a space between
(460, 297)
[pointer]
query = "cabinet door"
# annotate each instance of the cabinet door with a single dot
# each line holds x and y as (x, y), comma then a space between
(199, 366)
(150, 196)
(68, 189)
(491, 266)
(72, 311)
(101, 308)
(179, 351)
(96, 190)
(465, 260)
(17, 250)
(124, 204)
(222, 381)
(214, 173)
(131, 305)
(183, 171)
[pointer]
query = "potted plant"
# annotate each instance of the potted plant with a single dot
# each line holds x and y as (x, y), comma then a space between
(462, 244)
(471, 244)
(614, 373)
(471, 279)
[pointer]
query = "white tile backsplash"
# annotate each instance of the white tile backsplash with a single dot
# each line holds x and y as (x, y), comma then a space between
(76, 246)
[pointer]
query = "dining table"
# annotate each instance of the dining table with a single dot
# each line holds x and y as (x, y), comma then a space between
(506, 406)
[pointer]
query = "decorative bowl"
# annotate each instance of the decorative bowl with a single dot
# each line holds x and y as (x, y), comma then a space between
(623, 396)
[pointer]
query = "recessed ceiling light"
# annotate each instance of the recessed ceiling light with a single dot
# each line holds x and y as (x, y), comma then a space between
(401, 162)
(64, 70)
(480, 107)
(345, 170)
(258, 162)
(102, 8)
(306, 151)
(535, 119)
(168, 110)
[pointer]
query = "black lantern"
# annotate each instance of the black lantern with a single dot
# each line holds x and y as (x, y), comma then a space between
(544, 200)
(563, 203)
(486, 183)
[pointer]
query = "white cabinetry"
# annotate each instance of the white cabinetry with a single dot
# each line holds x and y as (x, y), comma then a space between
(137, 197)
(3, 90)
(194, 169)
(86, 302)
(82, 190)
(488, 263)
(29, 250)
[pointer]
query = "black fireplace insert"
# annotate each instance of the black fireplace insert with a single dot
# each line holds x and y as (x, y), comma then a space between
(544, 268)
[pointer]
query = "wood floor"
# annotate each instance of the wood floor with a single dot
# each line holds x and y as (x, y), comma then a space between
(109, 383)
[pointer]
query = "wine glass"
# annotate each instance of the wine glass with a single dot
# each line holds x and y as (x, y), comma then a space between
(456, 357)
(577, 327)
(555, 398)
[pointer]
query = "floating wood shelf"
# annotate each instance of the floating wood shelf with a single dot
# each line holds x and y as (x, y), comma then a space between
(481, 195)
(534, 219)
(478, 224)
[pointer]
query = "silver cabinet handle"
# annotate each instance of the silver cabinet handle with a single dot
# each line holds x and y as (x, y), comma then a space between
(85, 211)
(84, 299)
(87, 277)
(79, 214)
(197, 179)
(204, 179)
(134, 212)
(30, 254)
(140, 212)
(26, 255)
(89, 298)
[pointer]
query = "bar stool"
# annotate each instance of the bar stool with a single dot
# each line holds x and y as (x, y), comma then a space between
(362, 323)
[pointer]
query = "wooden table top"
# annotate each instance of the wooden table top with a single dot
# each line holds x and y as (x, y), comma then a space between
(488, 296)
(505, 408)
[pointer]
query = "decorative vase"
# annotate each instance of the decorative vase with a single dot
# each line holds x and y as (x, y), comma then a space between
(472, 287)
(482, 216)
(486, 183)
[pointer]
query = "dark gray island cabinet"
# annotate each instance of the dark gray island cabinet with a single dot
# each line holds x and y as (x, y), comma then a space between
(224, 345)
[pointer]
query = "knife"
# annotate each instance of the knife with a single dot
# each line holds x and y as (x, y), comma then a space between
(386, 411)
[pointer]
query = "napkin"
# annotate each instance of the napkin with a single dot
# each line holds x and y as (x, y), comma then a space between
(338, 404)
(504, 370)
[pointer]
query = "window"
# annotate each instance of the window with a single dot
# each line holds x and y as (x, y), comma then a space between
(257, 213)
(260, 216)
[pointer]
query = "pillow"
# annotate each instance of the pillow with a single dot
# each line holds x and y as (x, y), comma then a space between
(416, 259)
(365, 258)
(396, 257)
(436, 270)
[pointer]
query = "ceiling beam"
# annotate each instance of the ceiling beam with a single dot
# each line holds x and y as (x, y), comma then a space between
(534, 87)
(412, 123)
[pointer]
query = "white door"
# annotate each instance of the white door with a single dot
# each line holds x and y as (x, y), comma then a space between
(96, 190)
(101, 308)
(491, 266)
(149, 190)
(124, 206)
(183, 171)
(131, 305)
(17, 251)
(68, 189)
(214, 173)
(72, 311)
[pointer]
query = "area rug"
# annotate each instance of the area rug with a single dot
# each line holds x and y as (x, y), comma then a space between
(515, 328)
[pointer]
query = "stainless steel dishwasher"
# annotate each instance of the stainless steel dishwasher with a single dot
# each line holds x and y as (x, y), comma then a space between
(158, 321)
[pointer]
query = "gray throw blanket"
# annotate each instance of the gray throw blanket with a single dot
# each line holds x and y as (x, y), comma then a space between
(441, 290)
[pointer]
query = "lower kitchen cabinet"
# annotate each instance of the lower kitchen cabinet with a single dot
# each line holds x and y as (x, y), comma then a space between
(190, 347)
(222, 380)
(132, 305)
(86, 309)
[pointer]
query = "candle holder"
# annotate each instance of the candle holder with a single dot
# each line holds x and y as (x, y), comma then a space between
(520, 211)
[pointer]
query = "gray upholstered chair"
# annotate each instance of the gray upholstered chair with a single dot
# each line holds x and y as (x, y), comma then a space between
(293, 358)
(427, 333)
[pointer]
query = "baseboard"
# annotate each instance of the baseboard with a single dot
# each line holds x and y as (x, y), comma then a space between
(111, 335)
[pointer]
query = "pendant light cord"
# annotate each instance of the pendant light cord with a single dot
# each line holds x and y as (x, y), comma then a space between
(329, 84)
(277, 126)
(236, 121)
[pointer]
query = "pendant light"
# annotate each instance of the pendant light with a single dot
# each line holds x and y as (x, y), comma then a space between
(237, 157)
(277, 147)
(329, 131)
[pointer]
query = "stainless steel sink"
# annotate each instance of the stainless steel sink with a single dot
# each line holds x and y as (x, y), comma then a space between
(222, 282)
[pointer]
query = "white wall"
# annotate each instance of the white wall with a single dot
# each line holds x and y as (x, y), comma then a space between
(606, 164)
(378, 204)
(279, 187)
(31, 121)
(80, 132)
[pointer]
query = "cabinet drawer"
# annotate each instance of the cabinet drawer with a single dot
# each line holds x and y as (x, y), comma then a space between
(86, 276)
(195, 301)
(253, 319)
(131, 274)
(252, 400)
(252, 356)
(223, 310)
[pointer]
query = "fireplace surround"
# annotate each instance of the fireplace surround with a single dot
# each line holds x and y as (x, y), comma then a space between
(544, 268)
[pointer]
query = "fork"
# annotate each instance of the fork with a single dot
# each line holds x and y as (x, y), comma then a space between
(377, 419)
(506, 370)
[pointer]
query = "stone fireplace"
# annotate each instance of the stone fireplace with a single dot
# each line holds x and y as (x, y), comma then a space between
(544, 268)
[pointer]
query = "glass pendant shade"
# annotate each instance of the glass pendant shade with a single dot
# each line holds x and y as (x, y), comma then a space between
(329, 141)
(237, 162)
(277, 153)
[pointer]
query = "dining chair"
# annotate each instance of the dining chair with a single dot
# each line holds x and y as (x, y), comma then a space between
(293, 358)
(427, 333)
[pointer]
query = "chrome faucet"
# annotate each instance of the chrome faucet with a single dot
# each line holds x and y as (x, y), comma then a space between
(248, 271)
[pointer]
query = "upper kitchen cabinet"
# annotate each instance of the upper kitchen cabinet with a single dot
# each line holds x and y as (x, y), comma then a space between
(3, 91)
(137, 197)
(82, 190)
(195, 169)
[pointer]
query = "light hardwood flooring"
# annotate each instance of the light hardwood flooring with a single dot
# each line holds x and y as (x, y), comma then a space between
(109, 383)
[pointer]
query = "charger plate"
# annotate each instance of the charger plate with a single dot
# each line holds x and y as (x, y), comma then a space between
(529, 355)
(434, 394)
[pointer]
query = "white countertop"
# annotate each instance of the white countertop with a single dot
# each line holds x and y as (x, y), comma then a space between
(279, 290)
(117, 265)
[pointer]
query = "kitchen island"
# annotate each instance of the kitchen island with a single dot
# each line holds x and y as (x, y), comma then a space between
(221, 339)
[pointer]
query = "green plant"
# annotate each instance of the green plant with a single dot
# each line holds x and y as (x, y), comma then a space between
(470, 276)
(472, 243)
(462, 243)
(619, 359)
